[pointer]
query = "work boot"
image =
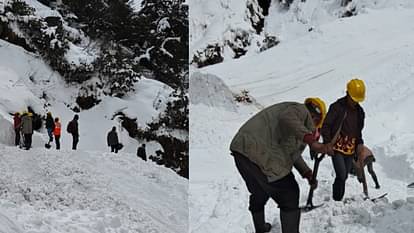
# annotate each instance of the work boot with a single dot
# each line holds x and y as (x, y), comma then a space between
(259, 222)
(267, 227)
(290, 221)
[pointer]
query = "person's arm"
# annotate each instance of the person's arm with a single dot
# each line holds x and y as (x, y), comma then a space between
(328, 123)
(301, 166)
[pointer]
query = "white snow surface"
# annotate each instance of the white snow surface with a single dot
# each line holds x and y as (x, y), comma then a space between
(211, 21)
(375, 46)
(89, 192)
(136, 5)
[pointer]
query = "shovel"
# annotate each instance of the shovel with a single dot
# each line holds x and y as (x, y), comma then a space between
(309, 204)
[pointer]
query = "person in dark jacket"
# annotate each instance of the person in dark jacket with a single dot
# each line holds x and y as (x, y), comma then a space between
(27, 129)
(50, 126)
(73, 128)
(112, 140)
(142, 153)
(265, 150)
(345, 116)
(17, 123)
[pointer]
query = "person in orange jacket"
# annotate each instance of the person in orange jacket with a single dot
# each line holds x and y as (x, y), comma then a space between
(57, 132)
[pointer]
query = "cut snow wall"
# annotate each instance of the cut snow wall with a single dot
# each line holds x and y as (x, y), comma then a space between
(210, 90)
(6, 132)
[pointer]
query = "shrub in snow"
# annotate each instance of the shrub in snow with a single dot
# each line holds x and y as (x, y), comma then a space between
(269, 42)
(176, 114)
(18, 7)
(173, 120)
(243, 97)
(239, 41)
(349, 11)
(87, 102)
(211, 55)
(256, 10)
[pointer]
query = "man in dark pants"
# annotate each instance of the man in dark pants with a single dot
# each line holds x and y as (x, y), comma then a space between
(73, 128)
(345, 116)
(112, 140)
(265, 150)
(50, 126)
(17, 126)
(27, 129)
(142, 153)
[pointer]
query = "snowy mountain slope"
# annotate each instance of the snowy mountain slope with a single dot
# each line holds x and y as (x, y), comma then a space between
(88, 190)
(215, 22)
(375, 46)
(25, 74)
(66, 191)
(127, 58)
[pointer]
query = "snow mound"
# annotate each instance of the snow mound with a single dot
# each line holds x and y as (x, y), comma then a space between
(210, 90)
(89, 192)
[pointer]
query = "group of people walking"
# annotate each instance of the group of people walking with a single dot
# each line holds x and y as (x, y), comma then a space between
(270, 144)
(23, 128)
(23, 125)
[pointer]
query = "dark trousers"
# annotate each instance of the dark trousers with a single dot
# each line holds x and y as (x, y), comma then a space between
(17, 137)
(75, 140)
(50, 133)
(142, 156)
(28, 141)
(342, 165)
(285, 192)
(114, 148)
(57, 141)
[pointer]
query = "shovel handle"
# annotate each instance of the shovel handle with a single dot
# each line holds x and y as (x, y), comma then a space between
(318, 159)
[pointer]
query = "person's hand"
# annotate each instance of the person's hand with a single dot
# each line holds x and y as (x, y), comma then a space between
(329, 149)
(312, 182)
(322, 148)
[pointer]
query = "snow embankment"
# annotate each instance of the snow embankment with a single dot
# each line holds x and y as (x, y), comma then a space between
(80, 191)
(211, 91)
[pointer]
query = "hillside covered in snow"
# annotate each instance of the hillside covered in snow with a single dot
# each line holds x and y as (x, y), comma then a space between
(119, 64)
(374, 44)
(225, 30)
(125, 61)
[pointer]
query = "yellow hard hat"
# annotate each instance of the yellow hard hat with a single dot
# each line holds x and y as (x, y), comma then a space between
(356, 89)
(318, 107)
